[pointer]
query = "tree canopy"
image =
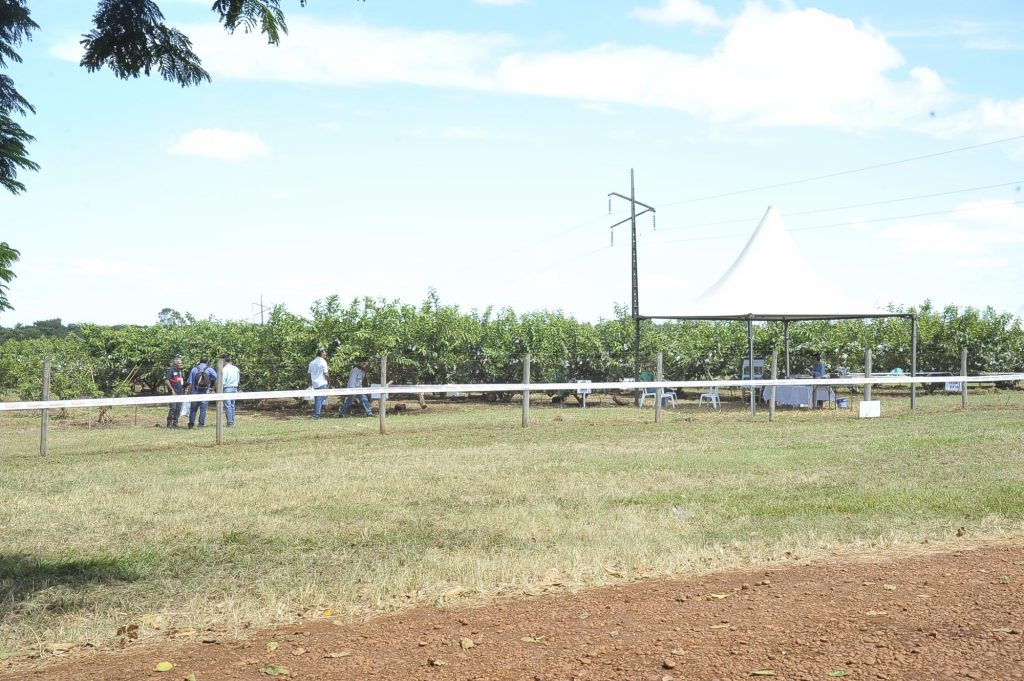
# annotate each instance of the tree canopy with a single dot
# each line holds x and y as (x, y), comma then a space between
(131, 38)
(7, 257)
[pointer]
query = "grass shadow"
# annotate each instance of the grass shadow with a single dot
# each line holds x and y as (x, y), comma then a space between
(23, 578)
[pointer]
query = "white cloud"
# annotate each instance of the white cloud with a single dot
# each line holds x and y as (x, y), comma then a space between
(99, 267)
(791, 67)
(977, 227)
(459, 133)
(933, 237)
(353, 54)
(71, 50)
(223, 145)
(599, 108)
(760, 74)
(983, 264)
(995, 45)
(772, 67)
(1002, 214)
(1001, 117)
(673, 12)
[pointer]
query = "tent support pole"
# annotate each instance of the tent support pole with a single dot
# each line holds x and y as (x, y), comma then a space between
(785, 334)
(913, 360)
(750, 342)
(636, 292)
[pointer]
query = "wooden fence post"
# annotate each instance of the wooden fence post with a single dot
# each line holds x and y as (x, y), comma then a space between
(382, 403)
(219, 388)
(771, 392)
(963, 383)
(526, 393)
(658, 394)
(867, 374)
(45, 418)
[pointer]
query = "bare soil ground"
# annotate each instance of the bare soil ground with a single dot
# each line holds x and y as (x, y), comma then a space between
(956, 614)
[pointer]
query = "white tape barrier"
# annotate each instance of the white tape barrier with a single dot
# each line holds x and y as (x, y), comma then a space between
(492, 388)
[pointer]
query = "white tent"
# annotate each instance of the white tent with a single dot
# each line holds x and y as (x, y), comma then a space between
(771, 279)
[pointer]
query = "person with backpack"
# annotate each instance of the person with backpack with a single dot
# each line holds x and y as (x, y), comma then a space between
(201, 380)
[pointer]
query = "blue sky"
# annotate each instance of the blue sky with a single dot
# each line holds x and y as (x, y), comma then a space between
(388, 147)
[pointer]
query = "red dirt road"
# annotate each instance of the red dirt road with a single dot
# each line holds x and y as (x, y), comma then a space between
(954, 615)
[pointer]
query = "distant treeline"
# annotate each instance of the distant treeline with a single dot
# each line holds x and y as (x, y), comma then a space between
(46, 328)
(433, 343)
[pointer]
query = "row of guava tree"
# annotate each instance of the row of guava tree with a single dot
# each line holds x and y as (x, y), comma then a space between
(433, 343)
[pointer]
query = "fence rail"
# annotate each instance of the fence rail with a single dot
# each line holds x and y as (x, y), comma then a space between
(391, 390)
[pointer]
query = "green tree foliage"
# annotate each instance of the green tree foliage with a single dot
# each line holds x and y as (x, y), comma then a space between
(45, 328)
(8, 256)
(434, 343)
(72, 368)
(15, 26)
(169, 317)
(129, 37)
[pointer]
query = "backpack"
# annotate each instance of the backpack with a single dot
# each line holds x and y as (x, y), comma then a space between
(202, 381)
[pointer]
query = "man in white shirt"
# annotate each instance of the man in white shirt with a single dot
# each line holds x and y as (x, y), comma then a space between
(355, 380)
(318, 378)
(231, 377)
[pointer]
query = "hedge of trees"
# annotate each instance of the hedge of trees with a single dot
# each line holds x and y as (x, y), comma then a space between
(434, 343)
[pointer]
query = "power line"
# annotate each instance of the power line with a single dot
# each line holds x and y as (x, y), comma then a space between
(797, 229)
(840, 224)
(854, 205)
(579, 257)
(844, 172)
(532, 246)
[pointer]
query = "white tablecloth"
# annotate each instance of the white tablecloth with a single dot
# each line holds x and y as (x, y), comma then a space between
(797, 395)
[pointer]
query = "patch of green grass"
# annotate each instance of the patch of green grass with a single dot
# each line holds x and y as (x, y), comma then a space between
(135, 524)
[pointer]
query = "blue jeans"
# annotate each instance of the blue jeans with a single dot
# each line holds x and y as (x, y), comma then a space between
(319, 402)
(197, 406)
(229, 407)
(363, 400)
(172, 412)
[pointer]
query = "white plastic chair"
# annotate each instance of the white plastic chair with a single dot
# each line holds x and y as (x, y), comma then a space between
(666, 396)
(712, 397)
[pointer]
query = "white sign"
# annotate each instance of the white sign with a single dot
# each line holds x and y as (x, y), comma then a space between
(870, 409)
(582, 390)
(954, 387)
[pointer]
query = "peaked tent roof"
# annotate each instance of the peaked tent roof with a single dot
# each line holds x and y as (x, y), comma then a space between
(771, 279)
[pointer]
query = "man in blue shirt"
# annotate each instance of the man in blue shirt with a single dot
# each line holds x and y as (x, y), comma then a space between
(201, 380)
(818, 370)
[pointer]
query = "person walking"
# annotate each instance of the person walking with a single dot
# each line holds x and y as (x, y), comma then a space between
(355, 380)
(200, 380)
(231, 377)
(319, 378)
(174, 379)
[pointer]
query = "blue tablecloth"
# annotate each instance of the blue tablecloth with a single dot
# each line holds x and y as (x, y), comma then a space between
(798, 395)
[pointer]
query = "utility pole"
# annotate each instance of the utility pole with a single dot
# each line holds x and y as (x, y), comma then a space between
(262, 308)
(636, 292)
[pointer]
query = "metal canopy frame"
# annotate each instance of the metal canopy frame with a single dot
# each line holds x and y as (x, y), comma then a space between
(752, 317)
